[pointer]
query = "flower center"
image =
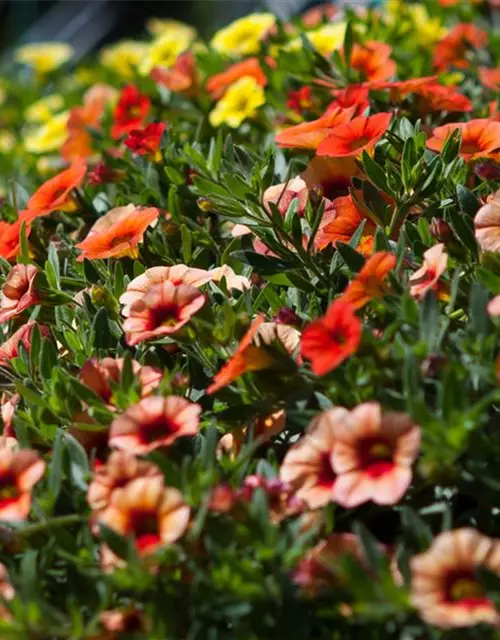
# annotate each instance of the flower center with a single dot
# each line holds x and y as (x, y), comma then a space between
(375, 456)
(359, 142)
(469, 146)
(167, 316)
(122, 239)
(157, 430)
(326, 474)
(145, 528)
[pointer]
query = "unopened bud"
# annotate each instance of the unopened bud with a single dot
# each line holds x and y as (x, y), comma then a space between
(487, 170)
(287, 316)
(441, 230)
(205, 205)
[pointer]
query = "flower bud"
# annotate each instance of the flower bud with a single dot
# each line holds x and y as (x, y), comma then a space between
(441, 231)
(487, 170)
(287, 316)
(205, 205)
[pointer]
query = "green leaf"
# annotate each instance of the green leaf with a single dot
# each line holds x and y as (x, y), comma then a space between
(352, 258)
(375, 173)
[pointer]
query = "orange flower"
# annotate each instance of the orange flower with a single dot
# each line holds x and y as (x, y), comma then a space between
(372, 60)
(369, 283)
(309, 135)
(427, 277)
(436, 97)
(490, 78)
(372, 455)
(300, 100)
(340, 222)
(480, 138)
(487, 224)
(19, 471)
(354, 95)
(18, 291)
(308, 464)
(148, 513)
(401, 88)
(181, 78)
(352, 138)
(10, 348)
(452, 49)
(328, 341)
(55, 194)
(247, 357)
(220, 82)
(78, 145)
(100, 376)
(154, 422)
(9, 236)
(117, 233)
(177, 274)
(165, 309)
(120, 469)
(445, 587)
(333, 175)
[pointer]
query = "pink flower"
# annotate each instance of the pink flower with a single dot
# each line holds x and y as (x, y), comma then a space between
(372, 455)
(10, 348)
(154, 422)
(18, 291)
(427, 277)
(160, 312)
(487, 224)
(308, 464)
(19, 471)
(282, 195)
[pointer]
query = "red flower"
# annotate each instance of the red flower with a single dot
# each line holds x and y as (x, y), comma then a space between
(400, 88)
(103, 174)
(452, 49)
(355, 95)
(146, 141)
(340, 221)
(131, 111)
(352, 138)
(328, 341)
(300, 100)
(9, 236)
(480, 137)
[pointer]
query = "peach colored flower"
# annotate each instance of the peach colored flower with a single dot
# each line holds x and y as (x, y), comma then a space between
(154, 422)
(372, 455)
(117, 622)
(117, 233)
(233, 281)
(264, 428)
(19, 471)
(494, 307)
(445, 587)
(308, 464)
(283, 334)
(120, 469)
(309, 135)
(479, 138)
(282, 195)
(178, 274)
(18, 291)
(101, 375)
(165, 309)
(427, 277)
(487, 224)
(146, 511)
(7, 409)
(10, 348)
(6, 592)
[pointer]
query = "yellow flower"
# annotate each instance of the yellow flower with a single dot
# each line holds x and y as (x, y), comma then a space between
(44, 56)
(243, 36)
(420, 27)
(164, 51)
(124, 57)
(50, 136)
(327, 38)
(43, 109)
(240, 102)
(7, 141)
(159, 27)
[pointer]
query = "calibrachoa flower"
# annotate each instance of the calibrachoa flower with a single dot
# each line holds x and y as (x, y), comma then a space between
(369, 283)
(372, 455)
(330, 340)
(44, 57)
(452, 50)
(56, 193)
(445, 587)
(149, 513)
(239, 102)
(131, 111)
(18, 291)
(10, 236)
(120, 469)
(6, 592)
(300, 100)
(372, 60)
(101, 375)
(10, 348)
(308, 464)
(354, 95)
(479, 138)
(181, 78)
(50, 136)
(218, 84)
(309, 135)
(487, 224)
(117, 233)
(20, 470)
(146, 141)
(162, 311)
(154, 422)
(427, 277)
(282, 195)
(243, 36)
(117, 622)
(356, 136)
